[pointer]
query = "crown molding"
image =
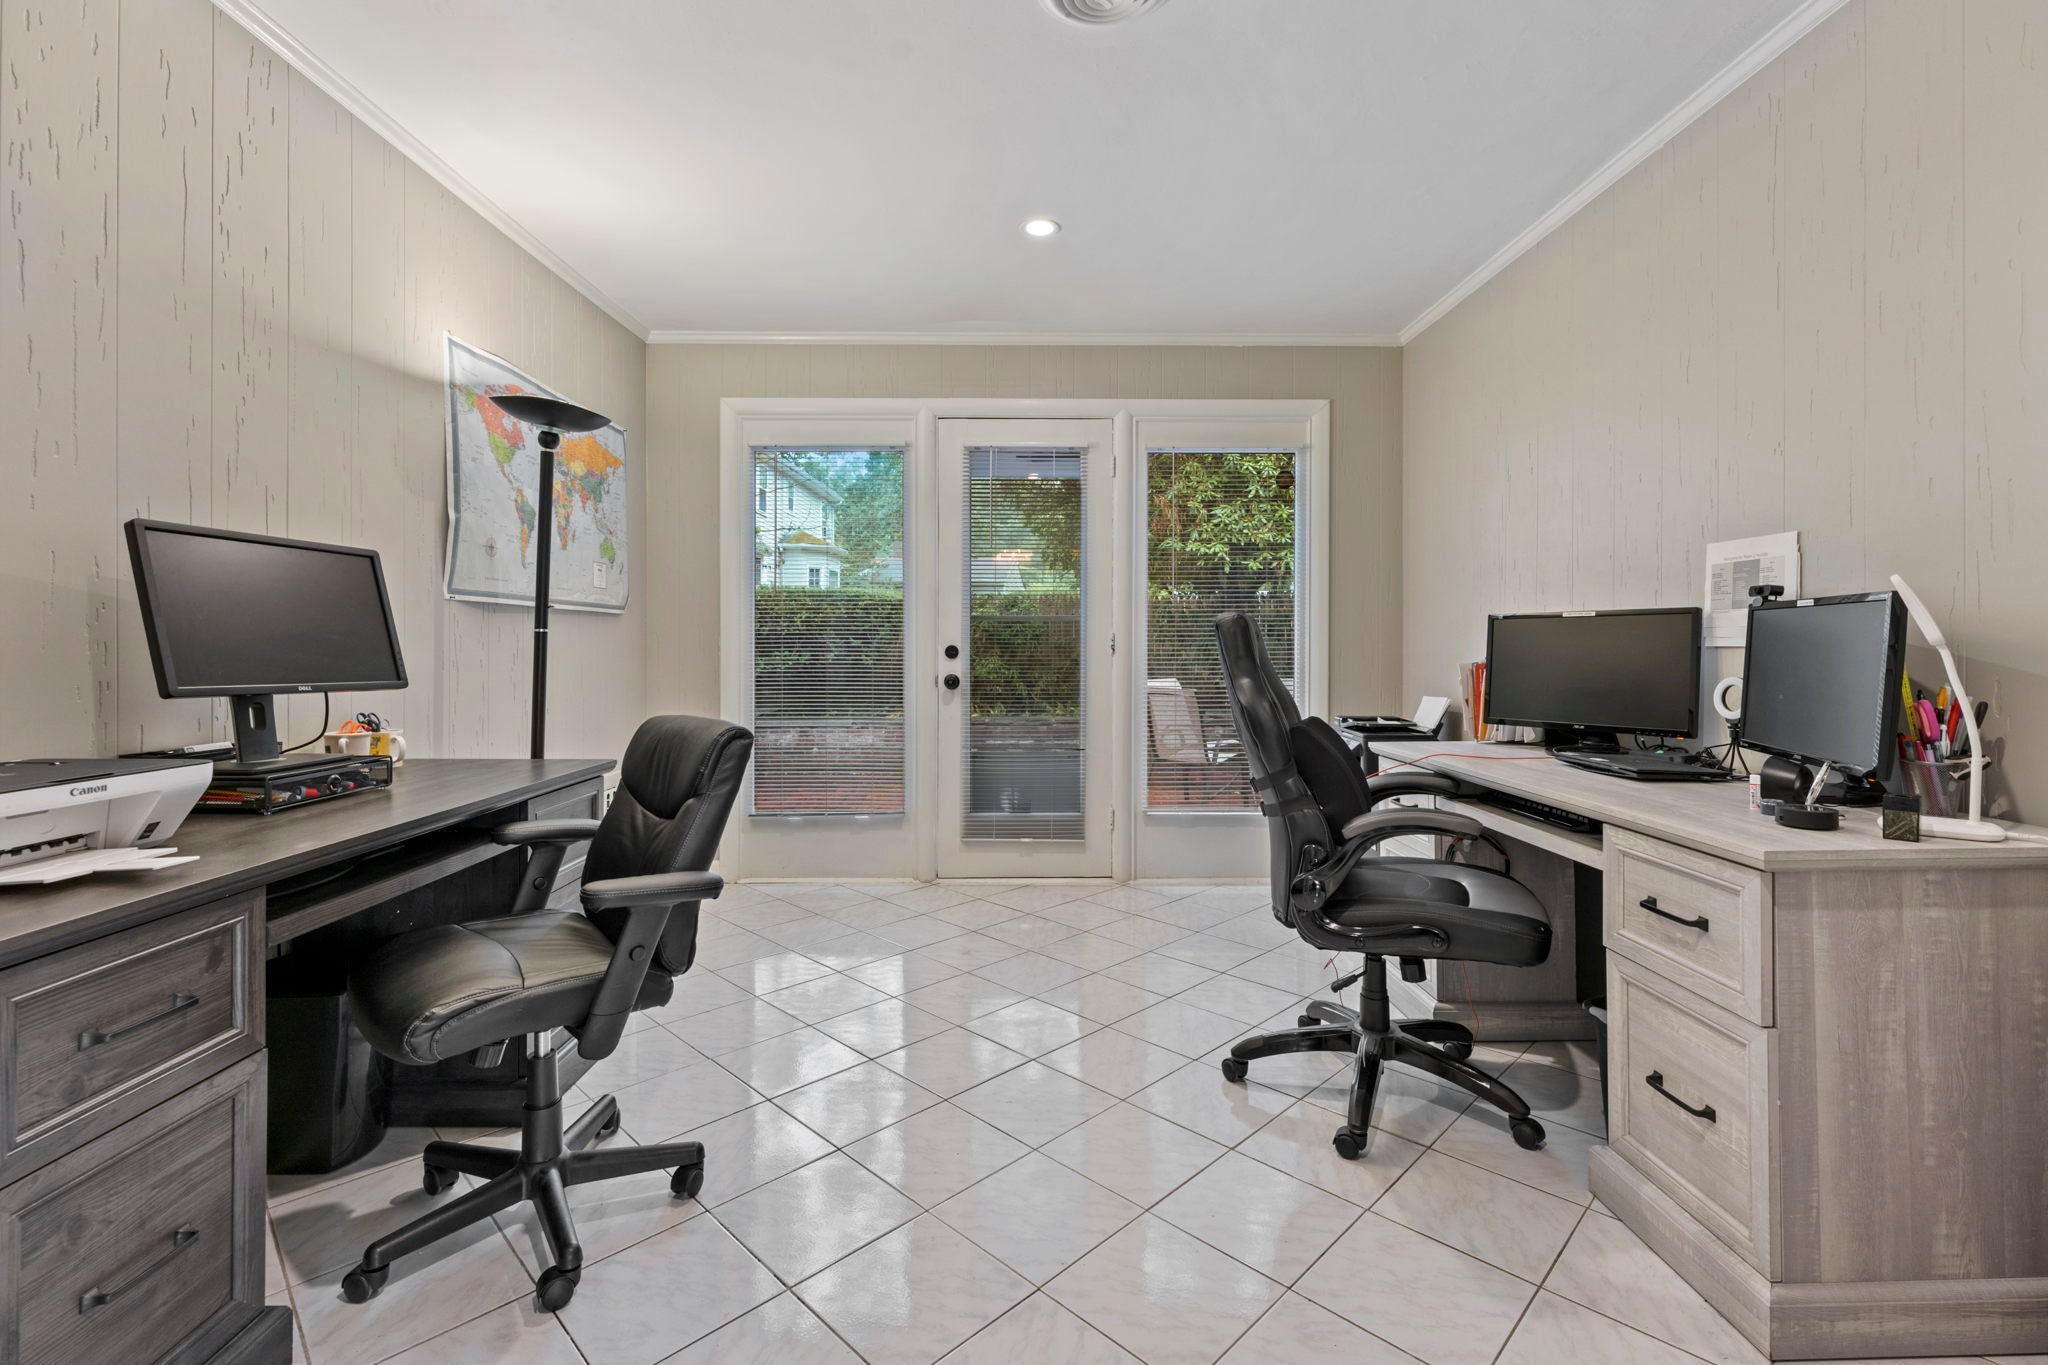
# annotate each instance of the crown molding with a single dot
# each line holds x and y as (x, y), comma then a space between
(1760, 54)
(266, 30)
(684, 338)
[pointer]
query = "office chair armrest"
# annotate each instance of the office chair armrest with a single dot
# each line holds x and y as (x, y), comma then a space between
(1313, 887)
(1386, 823)
(648, 902)
(545, 832)
(549, 842)
(661, 888)
(1384, 785)
(1413, 939)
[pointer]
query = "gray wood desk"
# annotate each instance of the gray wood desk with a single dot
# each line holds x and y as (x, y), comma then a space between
(132, 1172)
(1827, 1058)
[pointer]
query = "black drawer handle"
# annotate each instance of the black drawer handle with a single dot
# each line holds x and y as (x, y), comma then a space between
(100, 1298)
(1698, 922)
(1655, 1080)
(92, 1038)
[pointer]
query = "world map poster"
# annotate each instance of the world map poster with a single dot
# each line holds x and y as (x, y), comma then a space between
(494, 503)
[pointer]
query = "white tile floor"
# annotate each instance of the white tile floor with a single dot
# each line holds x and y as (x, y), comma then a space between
(982, 1123)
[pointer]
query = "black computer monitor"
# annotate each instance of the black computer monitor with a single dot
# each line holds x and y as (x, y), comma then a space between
(246, 616)
(1586, 676)
(1820, 681)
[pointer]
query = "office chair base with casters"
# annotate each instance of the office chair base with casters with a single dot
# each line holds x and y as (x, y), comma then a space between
(1372, 1038)
(549, 1160)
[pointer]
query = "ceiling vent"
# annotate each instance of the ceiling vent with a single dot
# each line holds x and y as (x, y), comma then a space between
(1101, 11)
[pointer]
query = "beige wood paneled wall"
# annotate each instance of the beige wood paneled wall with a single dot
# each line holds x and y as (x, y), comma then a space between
(223, 302)
(1363, 384)
(1820, 308)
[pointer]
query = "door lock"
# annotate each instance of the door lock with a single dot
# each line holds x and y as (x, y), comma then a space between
(952, 651)
(952, 681)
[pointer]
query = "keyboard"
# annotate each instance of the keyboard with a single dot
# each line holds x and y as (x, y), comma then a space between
(1644, 766)
(1536, 810)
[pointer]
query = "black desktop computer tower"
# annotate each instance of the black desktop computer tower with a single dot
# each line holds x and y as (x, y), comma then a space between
(329, 1089)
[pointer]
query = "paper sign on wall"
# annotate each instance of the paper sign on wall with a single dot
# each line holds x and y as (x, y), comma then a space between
(1733, 567)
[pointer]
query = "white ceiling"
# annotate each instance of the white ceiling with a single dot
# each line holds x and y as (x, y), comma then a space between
(1318, 168)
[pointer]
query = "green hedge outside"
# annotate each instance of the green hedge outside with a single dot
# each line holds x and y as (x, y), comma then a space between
(1021, 648)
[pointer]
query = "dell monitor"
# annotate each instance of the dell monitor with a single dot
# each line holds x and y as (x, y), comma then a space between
(1585, 676)
(1820, 682)
(246, 616)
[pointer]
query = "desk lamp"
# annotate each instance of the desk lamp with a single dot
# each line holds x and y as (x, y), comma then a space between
(553, 417)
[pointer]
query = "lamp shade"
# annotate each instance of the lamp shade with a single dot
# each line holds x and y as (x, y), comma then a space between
(550, 412)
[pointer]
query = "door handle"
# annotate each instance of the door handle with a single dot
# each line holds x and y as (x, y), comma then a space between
(97, 1297)
(92, 1038)
(1655, 1080)
(952, 681)
(1698, 922)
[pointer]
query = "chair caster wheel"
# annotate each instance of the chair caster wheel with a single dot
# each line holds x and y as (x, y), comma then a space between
(436, 1179)
(1307, 1021)
(687, 1181)
(360, 1285)
(609, 1128)
(1235, 1068)
(555, 1288)
(1528, 1133)
(1349, 1145)
(1457, 1052)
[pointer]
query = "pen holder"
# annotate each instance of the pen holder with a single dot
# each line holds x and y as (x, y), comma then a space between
(1943, 785)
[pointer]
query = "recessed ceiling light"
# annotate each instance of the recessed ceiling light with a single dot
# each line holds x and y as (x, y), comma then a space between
(1040, 227)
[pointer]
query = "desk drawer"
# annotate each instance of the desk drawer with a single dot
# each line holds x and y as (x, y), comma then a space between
(145, 1244)
(87, 1028)
(1702, 922)
(1689, 1105)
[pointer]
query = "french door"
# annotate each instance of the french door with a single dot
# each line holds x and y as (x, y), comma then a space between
(1020, 673)
(975, 646)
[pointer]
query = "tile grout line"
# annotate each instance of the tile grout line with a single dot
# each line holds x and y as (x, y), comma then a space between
(1522, 1316)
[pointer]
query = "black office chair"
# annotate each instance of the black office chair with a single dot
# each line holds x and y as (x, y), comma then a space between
(1319, 808)
(470, 988)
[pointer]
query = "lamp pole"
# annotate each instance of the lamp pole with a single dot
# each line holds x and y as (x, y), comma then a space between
(543, 560)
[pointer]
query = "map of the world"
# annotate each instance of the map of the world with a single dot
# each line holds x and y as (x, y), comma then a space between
(494, 505)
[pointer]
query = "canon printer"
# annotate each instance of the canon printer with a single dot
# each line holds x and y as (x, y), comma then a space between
(66, 817)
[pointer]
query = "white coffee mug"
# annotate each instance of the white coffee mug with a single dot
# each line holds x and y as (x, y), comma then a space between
(368, 743)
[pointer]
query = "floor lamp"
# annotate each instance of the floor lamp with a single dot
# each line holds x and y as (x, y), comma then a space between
(553, 417)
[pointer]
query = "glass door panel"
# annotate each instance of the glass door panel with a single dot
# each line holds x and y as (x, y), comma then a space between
(1023, 705)
(1221, 520)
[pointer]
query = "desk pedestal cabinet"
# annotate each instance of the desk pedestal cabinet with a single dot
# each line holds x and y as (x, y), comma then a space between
(1827, 1063)
(132, 1060)
(1873, 1178)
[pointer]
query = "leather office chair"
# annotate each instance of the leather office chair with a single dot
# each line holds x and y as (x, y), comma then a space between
(470, 988)
(1318, 806)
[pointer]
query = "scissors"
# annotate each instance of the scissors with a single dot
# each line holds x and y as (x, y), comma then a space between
(369, 720)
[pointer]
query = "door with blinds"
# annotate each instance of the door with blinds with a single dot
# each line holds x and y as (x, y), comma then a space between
(1220, 523)
(1023, 570)
(821, 634)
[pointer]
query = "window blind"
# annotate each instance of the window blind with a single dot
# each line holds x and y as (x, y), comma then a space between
(1026, 732)
(1221, 534)
(828, 685)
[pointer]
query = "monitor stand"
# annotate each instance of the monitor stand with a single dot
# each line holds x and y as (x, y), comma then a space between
(1575, 740)
(257, 750)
